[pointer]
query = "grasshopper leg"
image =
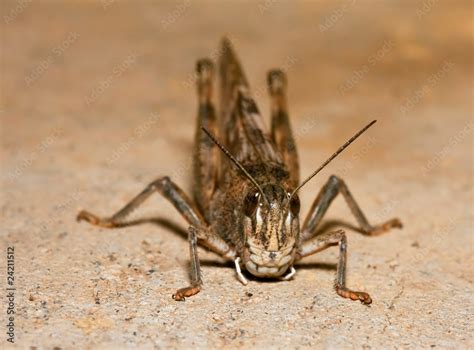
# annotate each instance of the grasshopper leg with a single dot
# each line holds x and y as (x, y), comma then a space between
(162, 185)
(179, 200)
(205, 237)
(281, 133)
(196, 233)
(196, 277)
(206, 154)
(325, 241)
(331, 189)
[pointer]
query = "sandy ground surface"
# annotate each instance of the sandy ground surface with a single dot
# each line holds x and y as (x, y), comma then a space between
(99, 99)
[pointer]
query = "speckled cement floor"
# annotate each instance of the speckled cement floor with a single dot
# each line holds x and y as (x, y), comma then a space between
(98, 100)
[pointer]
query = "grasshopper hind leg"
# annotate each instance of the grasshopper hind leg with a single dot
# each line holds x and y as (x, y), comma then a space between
(281, 132)
(196, 214)
(206, 153)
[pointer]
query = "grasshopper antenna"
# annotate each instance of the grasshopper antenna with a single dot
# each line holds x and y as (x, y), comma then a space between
(334, 155)
(235, 161)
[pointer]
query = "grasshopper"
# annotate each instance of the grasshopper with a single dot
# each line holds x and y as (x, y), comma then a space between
(246, 206)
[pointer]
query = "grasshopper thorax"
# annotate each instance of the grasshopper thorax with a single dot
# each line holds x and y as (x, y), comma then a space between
(271, 230)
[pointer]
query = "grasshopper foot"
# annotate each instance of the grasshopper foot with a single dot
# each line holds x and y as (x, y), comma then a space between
(386, 226)
(183, 293)
(353, 295)
(94, 220)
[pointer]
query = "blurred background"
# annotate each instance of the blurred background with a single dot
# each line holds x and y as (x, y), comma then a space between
(98, 99)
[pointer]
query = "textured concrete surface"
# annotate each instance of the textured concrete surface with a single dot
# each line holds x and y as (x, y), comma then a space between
(98, 100)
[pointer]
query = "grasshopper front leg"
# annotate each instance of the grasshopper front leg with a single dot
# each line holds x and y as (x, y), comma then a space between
(196, 277)
(204, 236)
(325, 241)
(312, 245)
(182, 203)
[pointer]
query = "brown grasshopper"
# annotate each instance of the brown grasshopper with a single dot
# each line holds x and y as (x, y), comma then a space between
(246, 207)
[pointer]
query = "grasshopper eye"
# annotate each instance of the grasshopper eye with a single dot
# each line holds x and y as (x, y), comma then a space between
(295, 205)
(251, 203)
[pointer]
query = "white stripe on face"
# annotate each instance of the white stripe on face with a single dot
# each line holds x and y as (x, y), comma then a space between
(259, 221)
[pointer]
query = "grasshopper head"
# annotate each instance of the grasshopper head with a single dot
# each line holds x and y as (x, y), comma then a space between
(271, 219)
(271, 230)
